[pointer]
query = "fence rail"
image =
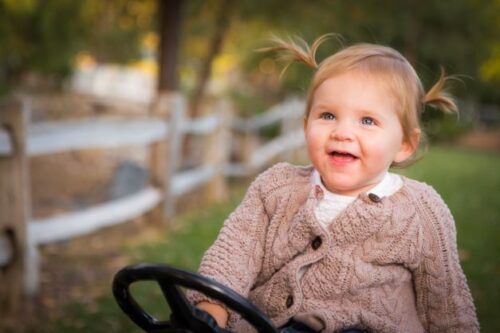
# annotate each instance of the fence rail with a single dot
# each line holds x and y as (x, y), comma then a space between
(20, 237)
(82, 222)
(292, 108)
(51, 137)
(5, 143)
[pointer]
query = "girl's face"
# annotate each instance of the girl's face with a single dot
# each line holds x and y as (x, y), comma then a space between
(353, 133)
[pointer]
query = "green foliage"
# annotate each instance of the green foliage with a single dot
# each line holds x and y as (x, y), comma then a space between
(34, 34)
(43, 37)
(462, 35)
(248, 105)
(459, 35)
(115, 28)
(439, 127)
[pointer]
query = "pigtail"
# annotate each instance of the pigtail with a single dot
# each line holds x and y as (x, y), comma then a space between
(437, 97)
(297, 50)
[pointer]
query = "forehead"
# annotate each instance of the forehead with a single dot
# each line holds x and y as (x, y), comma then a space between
(355, 90)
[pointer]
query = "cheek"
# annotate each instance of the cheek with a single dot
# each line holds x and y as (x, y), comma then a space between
(381, 147)
(315, 139)
(311, 137)
(314, 145)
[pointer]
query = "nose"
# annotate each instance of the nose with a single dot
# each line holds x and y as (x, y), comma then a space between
(344, 131)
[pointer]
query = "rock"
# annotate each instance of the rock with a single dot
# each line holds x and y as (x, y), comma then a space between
(129, 178)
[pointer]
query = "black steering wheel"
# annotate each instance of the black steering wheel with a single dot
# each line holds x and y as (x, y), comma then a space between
(185, 317)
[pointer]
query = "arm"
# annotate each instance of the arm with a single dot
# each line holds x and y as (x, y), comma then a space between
(235, 258)
(444, 302)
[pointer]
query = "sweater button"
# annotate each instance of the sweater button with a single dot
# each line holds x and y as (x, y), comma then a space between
(373, 197)
(289, 301)
(316, 243)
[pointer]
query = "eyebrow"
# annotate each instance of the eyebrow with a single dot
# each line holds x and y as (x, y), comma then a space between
(322, 107)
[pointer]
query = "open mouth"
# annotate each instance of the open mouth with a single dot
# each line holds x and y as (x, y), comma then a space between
(342, 157)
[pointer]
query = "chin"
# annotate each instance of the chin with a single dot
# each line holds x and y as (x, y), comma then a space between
(340, 188)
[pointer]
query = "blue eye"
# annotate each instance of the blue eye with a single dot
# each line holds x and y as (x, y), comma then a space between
(367, 121)
(327, 116)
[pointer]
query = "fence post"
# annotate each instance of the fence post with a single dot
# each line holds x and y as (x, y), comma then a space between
(249, 143)
(164, 155)
(288, 124)
(14, 205)
(217, 153)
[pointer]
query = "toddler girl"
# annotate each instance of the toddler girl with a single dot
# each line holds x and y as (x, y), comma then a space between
(344, 244)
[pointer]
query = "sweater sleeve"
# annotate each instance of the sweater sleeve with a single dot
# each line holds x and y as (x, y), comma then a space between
(235, 258)
(444, 302)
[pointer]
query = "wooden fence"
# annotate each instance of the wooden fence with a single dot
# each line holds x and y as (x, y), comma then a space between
(162, 132)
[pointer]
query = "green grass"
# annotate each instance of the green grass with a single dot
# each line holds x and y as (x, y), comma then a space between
(468, 181)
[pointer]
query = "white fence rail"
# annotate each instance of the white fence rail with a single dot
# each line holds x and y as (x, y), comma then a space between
(187, 181)
(52, 137)
(293, 108)
(262, 155)
(67, 226)
(6, 147)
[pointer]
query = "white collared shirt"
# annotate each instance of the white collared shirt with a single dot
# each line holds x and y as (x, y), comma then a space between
(331, 204)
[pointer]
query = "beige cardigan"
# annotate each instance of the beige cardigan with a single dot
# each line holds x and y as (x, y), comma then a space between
(387, 264)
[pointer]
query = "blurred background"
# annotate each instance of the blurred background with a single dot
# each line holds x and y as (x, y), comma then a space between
(48, 45)
(71, 60)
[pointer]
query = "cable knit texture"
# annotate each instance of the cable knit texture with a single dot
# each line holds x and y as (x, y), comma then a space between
(388, 265)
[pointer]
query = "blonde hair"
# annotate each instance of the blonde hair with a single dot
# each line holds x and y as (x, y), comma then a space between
(400, 77)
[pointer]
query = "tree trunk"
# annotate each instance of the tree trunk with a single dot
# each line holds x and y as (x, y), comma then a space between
(222, 21)
(166, 100)
(170, 31)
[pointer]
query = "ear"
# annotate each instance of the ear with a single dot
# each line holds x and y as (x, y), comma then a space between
(408, 147)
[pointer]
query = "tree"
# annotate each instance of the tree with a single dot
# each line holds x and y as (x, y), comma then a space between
(43, 37)
(170, 31)
(459, 35)
(33, 40)
(222, 24)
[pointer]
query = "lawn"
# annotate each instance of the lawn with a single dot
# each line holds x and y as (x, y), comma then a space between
(469, 182)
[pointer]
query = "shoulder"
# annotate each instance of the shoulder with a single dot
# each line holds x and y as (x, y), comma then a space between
(283, 175)
(428, 203)
(423, 192)
(283, 182)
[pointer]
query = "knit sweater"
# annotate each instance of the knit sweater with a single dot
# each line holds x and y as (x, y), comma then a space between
(385, 264)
